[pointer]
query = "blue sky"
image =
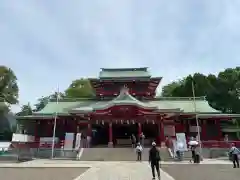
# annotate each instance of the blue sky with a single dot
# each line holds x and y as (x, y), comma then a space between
(52, 42)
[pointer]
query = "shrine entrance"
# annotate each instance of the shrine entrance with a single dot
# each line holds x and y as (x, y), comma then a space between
(151, 132)
(123, 132)
(100, 134)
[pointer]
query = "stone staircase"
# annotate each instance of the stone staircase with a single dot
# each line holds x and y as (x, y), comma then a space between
(128, 154)
(118, 154)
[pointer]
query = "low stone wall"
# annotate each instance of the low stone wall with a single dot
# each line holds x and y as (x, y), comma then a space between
(58, 153)
(218, 152)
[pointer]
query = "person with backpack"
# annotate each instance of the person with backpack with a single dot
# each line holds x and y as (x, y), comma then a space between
(154, 159)
(139, 150)
(234, 153)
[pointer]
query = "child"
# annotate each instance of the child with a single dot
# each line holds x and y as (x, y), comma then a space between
(139, 150)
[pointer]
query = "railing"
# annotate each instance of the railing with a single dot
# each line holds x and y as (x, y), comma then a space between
(205, 144)
(219, 144)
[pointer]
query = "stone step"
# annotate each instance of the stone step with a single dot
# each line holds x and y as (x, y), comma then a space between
(119, 154)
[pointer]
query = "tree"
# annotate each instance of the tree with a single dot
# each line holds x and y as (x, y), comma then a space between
(222, 91)
(168, 90)
(42, 102)
(183, 88)
(25, 110)
(8, 86)
(228, 89)
(80, 88)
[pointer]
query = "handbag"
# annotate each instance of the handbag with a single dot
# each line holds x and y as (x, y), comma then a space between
(158, 156)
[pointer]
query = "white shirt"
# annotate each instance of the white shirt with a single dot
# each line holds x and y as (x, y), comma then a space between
(234, 150)
(180, 146)
(139, 148)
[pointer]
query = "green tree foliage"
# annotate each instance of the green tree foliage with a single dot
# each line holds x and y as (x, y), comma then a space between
(25, 110)
(8, 86)
(42, 102)
(222, 91)
(80, 88)
(8, 96)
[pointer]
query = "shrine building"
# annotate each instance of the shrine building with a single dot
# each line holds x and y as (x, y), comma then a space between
(126, 104)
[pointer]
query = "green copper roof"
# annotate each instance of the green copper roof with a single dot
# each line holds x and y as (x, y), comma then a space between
(185, 105)
(124, 98)
(124, 73)
(60, 107)
(230, 129)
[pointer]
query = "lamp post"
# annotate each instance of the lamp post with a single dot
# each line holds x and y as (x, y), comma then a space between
(197, 122)
(55, 124)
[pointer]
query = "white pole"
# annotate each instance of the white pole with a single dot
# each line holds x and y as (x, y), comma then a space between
(196, 116)
(55, 124)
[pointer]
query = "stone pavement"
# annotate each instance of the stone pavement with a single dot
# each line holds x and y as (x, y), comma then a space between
(116, 170)
(98, 170)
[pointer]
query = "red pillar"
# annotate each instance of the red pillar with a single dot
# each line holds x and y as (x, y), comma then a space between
(110, 141)
(162, 132)
(139, 130)
(219, 135)
(36, 133)
(49, 127)
(89, 130)
(203, 130)
(159, 138)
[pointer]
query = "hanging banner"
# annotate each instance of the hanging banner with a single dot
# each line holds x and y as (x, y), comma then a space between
(78, 141)
(68, 143)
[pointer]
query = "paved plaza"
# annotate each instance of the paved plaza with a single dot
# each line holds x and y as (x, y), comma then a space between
(41, 173)
(77, 170)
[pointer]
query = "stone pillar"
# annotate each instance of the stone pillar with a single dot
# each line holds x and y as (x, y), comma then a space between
(110, 135)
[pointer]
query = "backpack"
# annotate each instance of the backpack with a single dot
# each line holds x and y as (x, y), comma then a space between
(158, 156)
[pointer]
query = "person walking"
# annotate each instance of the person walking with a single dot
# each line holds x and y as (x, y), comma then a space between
(234, 153)
(142, 138)
(169, 146)
(139, 150)
(133, 139)
(179, 150)
(154, 159)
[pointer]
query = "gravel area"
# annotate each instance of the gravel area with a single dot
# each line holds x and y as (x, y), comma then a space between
(202, 172)
(41, 173)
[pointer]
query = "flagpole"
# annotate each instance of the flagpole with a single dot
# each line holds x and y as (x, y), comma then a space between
(196, 117)
(55, 124)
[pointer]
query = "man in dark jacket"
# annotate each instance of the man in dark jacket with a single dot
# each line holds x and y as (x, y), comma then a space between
(154, 158)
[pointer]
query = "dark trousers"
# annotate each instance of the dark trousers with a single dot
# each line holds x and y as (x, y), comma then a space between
(155, 165)
(193, 155)
(235, 160)
(139, 156)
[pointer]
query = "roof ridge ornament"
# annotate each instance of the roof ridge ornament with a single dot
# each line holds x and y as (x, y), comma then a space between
(124, 90)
